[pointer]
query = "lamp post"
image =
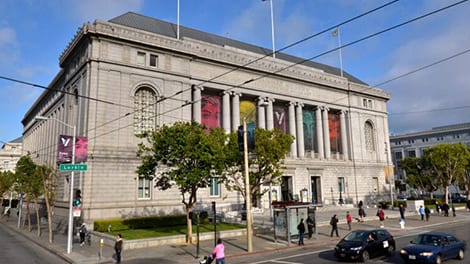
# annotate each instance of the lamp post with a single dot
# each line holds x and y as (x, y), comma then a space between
(390, 180)
(70, 230)
(249, 219)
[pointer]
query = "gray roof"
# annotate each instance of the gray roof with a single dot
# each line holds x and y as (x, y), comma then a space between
(161, 27)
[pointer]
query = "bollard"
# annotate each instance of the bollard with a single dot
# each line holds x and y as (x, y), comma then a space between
(101, 248)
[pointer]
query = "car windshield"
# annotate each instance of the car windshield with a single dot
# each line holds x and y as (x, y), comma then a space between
(356, 236)
(428, 240)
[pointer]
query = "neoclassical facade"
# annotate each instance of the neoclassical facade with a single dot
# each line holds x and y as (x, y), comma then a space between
(131, 74)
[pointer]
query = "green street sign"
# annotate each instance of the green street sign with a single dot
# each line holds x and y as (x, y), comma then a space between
(73, 167)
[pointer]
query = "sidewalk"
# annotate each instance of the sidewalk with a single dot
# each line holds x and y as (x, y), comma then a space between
(235, 247)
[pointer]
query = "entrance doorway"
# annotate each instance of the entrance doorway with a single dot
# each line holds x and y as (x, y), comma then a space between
(286, 188)
(316, 189)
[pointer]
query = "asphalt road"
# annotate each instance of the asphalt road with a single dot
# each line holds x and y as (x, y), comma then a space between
(18, 250)
(325, 254)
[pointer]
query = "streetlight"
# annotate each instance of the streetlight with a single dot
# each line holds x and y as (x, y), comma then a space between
(249, 219)
(70, 231)
(389, 176)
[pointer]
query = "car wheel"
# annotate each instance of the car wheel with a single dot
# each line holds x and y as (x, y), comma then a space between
(365, 256)
(390, 250)
(438, 259)
(461, 254)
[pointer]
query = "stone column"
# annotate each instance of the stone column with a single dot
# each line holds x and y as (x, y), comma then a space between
(319, 132)
(270, 114)
(261, 113)
(226, 111)
(300, 130)
(344, 137)
(197, 103)
(326, 133)
(236, 110)
(292, 130)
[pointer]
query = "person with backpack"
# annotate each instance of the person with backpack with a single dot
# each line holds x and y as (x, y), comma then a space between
(301, 228)
(334, 225)
(381, 215)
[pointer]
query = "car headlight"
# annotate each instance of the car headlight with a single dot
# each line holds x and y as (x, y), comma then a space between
(402, 251)
(426, 254)
(356, 248)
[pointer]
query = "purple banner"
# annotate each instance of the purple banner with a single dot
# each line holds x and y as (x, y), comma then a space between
(64, 152)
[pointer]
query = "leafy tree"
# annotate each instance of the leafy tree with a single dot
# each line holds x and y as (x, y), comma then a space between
(419, 173)
(48, 179)
(265, 163)
(183, 155)
(6, 183)
(449, 162)
(25, 171)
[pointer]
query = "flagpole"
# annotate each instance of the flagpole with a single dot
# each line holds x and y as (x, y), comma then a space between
(340, 53)
(272, 27)
(178, 20)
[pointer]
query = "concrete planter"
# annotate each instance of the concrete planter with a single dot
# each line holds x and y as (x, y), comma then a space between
(413, 205)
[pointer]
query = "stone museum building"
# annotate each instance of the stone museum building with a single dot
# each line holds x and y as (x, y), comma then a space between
(133, 73)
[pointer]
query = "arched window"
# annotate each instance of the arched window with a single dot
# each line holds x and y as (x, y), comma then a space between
(145, 110)
(369, 134)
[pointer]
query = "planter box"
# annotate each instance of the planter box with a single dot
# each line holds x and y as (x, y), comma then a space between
(413, 205)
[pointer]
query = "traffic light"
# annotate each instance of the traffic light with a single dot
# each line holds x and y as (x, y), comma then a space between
(78, 198)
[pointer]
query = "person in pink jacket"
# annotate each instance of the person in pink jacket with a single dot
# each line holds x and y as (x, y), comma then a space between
(219, 252)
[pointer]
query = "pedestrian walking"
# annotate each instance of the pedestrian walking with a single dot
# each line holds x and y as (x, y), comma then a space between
(310, 226)
(349, 220)
(361, 204)
(445, 208)
(421, 212)
(438, 207)
(334, 225)
(219, 252)
(427, 212)
(82, 232)
(468, 205)
(118, 248)
(453, 210)
(301, 229)
(381, 215)
(362, 214)
(402, 211)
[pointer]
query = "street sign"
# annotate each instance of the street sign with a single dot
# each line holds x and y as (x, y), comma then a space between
(77, 212)
(73, 167)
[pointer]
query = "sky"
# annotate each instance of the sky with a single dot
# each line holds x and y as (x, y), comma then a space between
(422, 64)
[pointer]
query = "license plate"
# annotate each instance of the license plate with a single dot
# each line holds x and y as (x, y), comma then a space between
(412, 257)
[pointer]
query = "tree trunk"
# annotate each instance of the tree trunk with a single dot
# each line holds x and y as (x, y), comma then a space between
(49, 218)
(38, 219)
(189, 237)
(28, 215)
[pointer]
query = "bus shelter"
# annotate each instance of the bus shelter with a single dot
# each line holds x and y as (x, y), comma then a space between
(287, 216)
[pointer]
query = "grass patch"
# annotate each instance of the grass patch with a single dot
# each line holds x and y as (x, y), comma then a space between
(172, 231)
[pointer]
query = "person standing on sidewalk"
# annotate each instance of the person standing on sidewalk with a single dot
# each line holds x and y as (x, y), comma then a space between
(453, 210)
(310, 226)
(427, 212)
(402, 212)
(362, 214)
(334, 225)
(83, 232)
(349, 220)
(301, 228)
(421, 212)
(118, 248)
(381, 215)
(219, 252)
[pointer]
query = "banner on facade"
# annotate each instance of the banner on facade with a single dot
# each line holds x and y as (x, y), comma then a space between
(64, 152)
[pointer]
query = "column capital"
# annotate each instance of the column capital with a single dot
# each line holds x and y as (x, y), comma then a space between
(236, 93)
(299, 104)
(197, 87)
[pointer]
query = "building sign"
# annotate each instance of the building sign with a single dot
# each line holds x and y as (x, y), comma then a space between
(64, 152)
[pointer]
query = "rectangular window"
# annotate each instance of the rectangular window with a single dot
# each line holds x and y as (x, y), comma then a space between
(398, 156)
(341, 184)
(6, 165)
(375, 184)
(153, 60)
(144, 188)
(141, 58)
(412, 153)
(215, 187)
(364, 102)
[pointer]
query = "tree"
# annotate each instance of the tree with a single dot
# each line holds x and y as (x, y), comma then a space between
(449, 162)
(6, 183)
(48, 178)
(419, 173)
(25, 171)
(183, 155)
(271, 147)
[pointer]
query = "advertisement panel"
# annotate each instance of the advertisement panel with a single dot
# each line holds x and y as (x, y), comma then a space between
(64, 152)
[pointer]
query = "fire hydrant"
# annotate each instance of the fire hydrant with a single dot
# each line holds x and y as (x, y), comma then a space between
(402, 223)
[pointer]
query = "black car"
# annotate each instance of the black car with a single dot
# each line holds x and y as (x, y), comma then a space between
(364, 244)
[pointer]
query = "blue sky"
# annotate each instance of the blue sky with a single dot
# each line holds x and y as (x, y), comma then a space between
(33, 33)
